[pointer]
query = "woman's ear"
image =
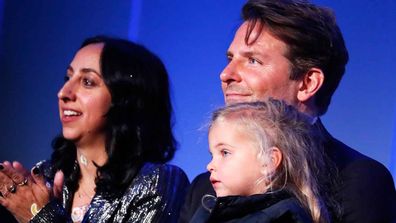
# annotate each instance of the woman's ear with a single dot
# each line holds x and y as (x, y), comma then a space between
(310, 84)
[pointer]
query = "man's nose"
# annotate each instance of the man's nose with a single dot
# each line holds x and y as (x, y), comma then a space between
(231, 73)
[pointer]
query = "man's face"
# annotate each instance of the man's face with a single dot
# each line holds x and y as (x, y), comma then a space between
(257, 71)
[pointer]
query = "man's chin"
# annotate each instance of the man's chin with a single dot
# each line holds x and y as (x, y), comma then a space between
(237, 99)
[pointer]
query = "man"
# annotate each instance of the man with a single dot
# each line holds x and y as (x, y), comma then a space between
(294, 50)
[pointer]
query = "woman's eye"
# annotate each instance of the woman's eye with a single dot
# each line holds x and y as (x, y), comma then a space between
(88, 82)
(66, 78)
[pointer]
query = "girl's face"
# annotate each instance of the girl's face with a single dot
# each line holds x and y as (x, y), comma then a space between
(235, 168)
(84, 99)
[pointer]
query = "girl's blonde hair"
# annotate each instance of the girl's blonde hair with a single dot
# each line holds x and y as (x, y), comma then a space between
(273, 123)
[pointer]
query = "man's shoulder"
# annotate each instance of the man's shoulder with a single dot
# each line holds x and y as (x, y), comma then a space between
(358, 169)
(348, 159)
(366, 191)
(345, 157)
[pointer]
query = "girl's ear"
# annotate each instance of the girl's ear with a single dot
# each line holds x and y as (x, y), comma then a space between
(272, 161)
(276, 157)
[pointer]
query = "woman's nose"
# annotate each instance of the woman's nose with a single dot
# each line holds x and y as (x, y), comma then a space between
(67, 92)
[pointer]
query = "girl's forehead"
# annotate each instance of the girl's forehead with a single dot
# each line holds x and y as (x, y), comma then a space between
(229, 124)
(234, 127)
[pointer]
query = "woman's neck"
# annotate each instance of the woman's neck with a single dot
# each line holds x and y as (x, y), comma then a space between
(89, 156)
(88, 159)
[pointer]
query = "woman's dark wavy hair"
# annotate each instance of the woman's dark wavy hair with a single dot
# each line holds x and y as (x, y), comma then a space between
(138, 123)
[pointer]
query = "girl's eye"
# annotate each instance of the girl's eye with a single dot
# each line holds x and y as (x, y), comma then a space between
(88, 82)
(225, 153)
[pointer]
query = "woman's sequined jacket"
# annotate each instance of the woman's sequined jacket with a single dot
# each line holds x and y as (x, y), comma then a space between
(154, 195)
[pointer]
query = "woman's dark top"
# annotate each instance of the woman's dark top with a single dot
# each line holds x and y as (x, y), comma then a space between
(155, 195)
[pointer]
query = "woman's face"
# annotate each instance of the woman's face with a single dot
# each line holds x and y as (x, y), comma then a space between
(84, 99)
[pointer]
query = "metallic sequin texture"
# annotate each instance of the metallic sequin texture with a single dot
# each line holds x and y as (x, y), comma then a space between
(155, 195)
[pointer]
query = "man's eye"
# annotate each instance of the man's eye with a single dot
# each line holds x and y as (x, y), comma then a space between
(253, 61)
(229, 58)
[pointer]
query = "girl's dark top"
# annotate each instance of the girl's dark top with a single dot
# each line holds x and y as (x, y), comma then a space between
(276, 207)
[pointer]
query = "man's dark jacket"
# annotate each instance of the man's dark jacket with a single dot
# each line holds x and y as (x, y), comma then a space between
(366, 191)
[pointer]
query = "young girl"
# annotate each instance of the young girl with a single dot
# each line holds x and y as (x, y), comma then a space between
(264, 167)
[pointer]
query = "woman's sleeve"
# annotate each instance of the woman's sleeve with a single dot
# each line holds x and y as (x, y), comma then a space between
(51, 212)
(173, 185)
(158, 194)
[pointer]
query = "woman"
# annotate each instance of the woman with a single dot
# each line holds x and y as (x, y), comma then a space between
(116, 112)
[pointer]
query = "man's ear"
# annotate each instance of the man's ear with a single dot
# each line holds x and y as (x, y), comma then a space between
(310, 84)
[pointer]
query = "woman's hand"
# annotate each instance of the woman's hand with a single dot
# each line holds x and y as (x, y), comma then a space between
(24, 193)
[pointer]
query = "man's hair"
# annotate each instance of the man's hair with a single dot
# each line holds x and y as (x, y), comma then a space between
(273, 123)
(312, 36)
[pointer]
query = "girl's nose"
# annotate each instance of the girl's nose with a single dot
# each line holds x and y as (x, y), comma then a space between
(210, 166)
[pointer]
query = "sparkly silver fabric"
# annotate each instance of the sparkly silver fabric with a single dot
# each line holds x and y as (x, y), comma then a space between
(155, 195)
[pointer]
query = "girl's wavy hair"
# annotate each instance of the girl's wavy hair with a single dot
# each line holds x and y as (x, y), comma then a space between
(273, 123)
(138, 123)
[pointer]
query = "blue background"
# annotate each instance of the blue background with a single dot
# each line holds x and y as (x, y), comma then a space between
(39, 38)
